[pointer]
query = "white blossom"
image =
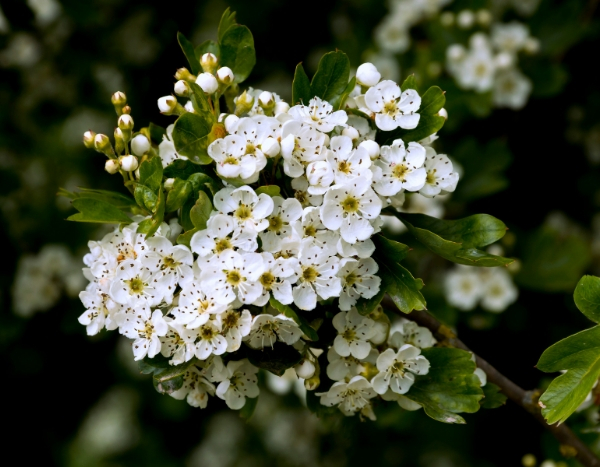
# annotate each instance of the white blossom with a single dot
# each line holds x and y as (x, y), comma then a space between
(354, 332)
(249, 211)
(196, 387)
(392, 107)
(409, 332)
(284, 213)
(400, 168)
(221, 235)
(268, 329)
(397, 369)
(301, 144)
(350, 397)
(319, 114)
(440, 176)
(358, 280)
(210, 341)
(348, 163)
(195, 306)
(236, 381)
(146, 331)
(166, 149)
(236, 325)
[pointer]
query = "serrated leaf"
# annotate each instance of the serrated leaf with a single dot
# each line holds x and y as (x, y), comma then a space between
(178, 194)
(237, 52)
(207, 47)
(156, 133)
(301, 93)
(151, 173)
(331, 77)
(409, 83)
(579, 355)
(271, 190)
(227, 20)
(118, 200)
(300, 320)
(432, 101)
(493, 397)
(275, 359)
(190, 135)
(458, 240)
(401, 286)
(201, 105)
(450, 387)
(587, 297)
(188, 51)
(97, 211)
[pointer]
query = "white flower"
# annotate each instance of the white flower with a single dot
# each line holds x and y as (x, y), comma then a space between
(196, 387)
(140, 145)
(316, 276)
(133, 283)
(301, 144)
(249, 210)
(463, 287)
(100, 311)
(236, 325)
(354, 332)
(268, 329)
(509, 37)
(178, 343)
(350, 397)
(220, 236)
(409, 332)
(311, 226)
(440, 176)
(233, 160)
(365, 132)
(166, 149)
(358, 280)
(300, 185)
(207, 82)
(343, 368)
(401, 169)
(393, 108)
(237, 381)
(367, 74)
(498, 290)
(196, 307)
(511, 89)
(257, 131)
(274, 279)
(392, 35)
(319, 114)
(349, 208)
(348, 163)
(210, 341)
(362, 249)
(403, 401)
(285, 211)
(397, 369)
(146, 330)
(232, 275)
(320, 176)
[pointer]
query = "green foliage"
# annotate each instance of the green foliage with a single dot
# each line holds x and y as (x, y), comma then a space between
(271, 190)
(397, 281)
(166, 378)
(178, 195)
(237, 51)
(95, 210)
(156, 133)
(344, 96)
(300, 320)
(118, 200)
(188, 51)
(198, 216)
(145, 197)
(227, 21)
(275, 359)
(301, 92)
(432, 101)
(190, 135)
(493, 397)
(151, 173)
(579, 354)
(201, 104)
(331, 78)
(450, 387)
(552, 261)
(181, 168)
(206, 47)
(409, 83)
(249, 407)
(458, 240)
(150, 226)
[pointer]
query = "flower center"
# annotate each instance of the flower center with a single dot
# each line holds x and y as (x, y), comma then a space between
(230, 160)
(431, 177)
(349, 334)
(243, 212)
(234, 277)
(250, 148)
(398, 368)
(207, 333)
(203, 306)
(148, 330)
(399, 171)
(275, 223)
(309, 274)
(222, 244)
(344, 167)
(169, 262)
(390, 108)
(136, 285)
(267, 280)
(351, 279)
(301, 196)
(480, 70)
(350, 204)
(310, 231)
(231, 319)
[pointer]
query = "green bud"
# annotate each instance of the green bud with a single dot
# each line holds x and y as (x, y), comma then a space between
(184, 74)
(102, 144)
(244, 104)
(88, 139)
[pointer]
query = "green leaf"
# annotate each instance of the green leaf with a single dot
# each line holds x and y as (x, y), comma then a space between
(458, 240)
(202, 182)
(249, 407)
(206, 47)
(237, 51)
(301, 92)
(579, 354)
(190, 135)
(145, 197)
(300, 320)
(201, 105)
(399, 283)
(409, 83)
(188, 51)
(271, 190)
(181, 168)
(178, 195)
(344, 97)
(450, 387)
(432, 101)
(227, 20)
(151, 173)
(428, 125)
(587, 297)
(123, 202)
(156, 133)
(331, 77)
(165, 377)
(150, 226)
(275, 359)
(95, 210)
(493, 397)
(198, 216)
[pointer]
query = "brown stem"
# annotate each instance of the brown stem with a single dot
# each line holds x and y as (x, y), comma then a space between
(570, 444)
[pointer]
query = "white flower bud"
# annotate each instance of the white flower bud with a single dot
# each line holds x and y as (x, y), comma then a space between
(305, 369)
(208, 62)
(119, 99)
(102, 143)
(484, 17)
(207, 82)
(367, 75)
(319, 174)
(465, 19)
(270, 147)
(380, 329)
(281, 107)
(88, 139)
(312, 383)
(243, 103)
(169, 183)
(167, 104)
(531, 45)
(443, 113)
(230, 121)
(351, 133)
(371, 147)
(184, 73)
(182, 88)
(125, 122)
(447, 19)
(111, 166)
(225, 75)
(504, 60)
(128, 163)
(266, 99)
(189, 106)
(456, 52)
(140, 145)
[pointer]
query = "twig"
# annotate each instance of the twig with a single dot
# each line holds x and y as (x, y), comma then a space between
(570, 444)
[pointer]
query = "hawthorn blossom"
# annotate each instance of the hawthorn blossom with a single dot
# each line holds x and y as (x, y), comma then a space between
(400, 169)
(311, 226)
(146, 330)
(348, 163)
(350, 397)
(178, 343)
(440, 176)
(319, 115)
(236, 325)
(284, 213)
(354, 332)
(166, 149)
(301, 144)
(210, 341)
(300, 186)
(196, 387)
(275, 279)
(237, 381)
(195, 307)
(409, 332)
(133, 283)
(392, 107)
(397, 369)
(100, 311)
(268, 329)
(233, 160)
(358, 280)
(221, 235)
(248, 209)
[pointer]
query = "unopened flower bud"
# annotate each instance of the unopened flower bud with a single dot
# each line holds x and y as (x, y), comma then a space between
(305, 369)
(351, 133)
(504, 60)
(484, 17)
(102, 144)
(182, 88)
(140, 145)
(367, 75)
(125, 122)
(281, 108)
(244, 103)
(266, 99)
(119, 140)
(126, 110)
(207, 82)
(465, 19)
(443, 113)
(128, 163)
(167, 105)
(111, 166)
(88, 139)
(225, 75)
(312, 383)
(230, 121)
(189, 106)
(455, 52)
(208, 62)
(184, 74)
(119, 99)
(270, 147)
(169, 183)
(372, 148)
